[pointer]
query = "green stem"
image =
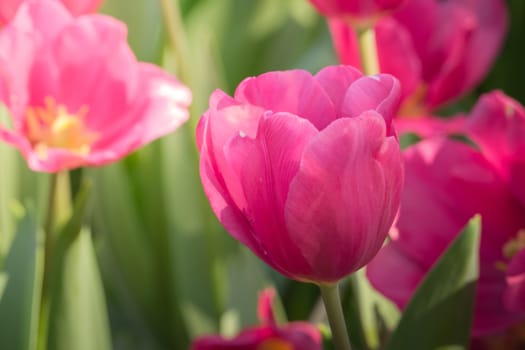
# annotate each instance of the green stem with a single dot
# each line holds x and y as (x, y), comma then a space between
(49, 225)
(332, 303)
(176, 35)
(368, 50)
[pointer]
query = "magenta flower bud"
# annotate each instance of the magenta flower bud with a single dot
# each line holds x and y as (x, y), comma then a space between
(76, 94)
(449, 181)
(8, 8)
(356, 11)
(267, 336)
(305, 170)
(439, 50)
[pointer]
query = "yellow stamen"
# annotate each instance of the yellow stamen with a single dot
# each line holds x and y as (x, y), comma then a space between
(52, 126)
(413, 105)
(275, 344)
(514, 246)
(510, 249)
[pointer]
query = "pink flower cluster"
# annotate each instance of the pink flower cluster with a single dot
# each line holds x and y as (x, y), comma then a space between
(439, 50)
(447, 182)
(76, 94)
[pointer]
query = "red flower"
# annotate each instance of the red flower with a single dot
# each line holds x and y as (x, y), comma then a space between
(268, 336)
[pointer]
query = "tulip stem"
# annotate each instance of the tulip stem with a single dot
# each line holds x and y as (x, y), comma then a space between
(334, 311)
(49, 225)
(368, 50)
(176, 34)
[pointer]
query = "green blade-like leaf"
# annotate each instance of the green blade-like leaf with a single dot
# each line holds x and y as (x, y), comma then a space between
(439, 316)
(20, 289)
(79, 318)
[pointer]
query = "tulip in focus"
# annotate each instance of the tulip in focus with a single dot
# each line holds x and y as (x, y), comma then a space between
(267, 336)
(356, 11)
(439, 50)
(75, 92)
(305, 170)
(8, 8)
(447, 182)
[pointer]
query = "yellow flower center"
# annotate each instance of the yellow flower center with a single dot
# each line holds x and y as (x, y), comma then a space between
(53, 126)
(275, 344)
(511, 248)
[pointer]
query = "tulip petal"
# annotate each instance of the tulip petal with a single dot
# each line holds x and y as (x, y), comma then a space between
(294, 91)
(42, 18)
(448, 182)
(102, 42)
(268, 165)
(222, 186)
(344, 197)
(335, 80)
(160, 109)
(395, 274)
(380, 93)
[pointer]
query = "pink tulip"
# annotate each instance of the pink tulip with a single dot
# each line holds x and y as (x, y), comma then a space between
(8, 8)
(268, 336)
(447, 182)
(305, 171)
(76, 94)
(439, 50)
(497, 125)
(356, 10)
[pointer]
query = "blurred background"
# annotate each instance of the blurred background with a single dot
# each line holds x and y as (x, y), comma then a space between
(169, 271)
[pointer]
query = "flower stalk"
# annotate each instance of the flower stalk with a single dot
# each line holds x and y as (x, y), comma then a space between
(334, 311)
(368, 50)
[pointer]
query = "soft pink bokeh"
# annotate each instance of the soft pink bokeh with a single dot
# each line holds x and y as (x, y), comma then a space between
(8, 8)
(305, 170)
(439, 50)
(448, 181)
(291, 336)
(76, 93)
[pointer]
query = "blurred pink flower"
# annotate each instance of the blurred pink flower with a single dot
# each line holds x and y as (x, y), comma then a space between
(8, 8)
(305, 171)
(268, 336)
(447, 182)
(497, 125)
(356, 11)
(76, 94)
(439, 50)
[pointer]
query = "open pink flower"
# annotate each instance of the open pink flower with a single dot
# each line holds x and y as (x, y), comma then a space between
(267, 336)
(8, 8)
(356, 11)
(439, 50)
(447, 182)
(76, 94)
(305, 171)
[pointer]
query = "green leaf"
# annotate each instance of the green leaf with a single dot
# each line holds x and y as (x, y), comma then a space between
(439, 316)
(20, 289)
(79, 318)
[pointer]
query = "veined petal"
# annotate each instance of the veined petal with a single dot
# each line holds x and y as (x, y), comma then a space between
(294, 91)
(380, 93)
(343, 180)
(271, 161)
(335, 80)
